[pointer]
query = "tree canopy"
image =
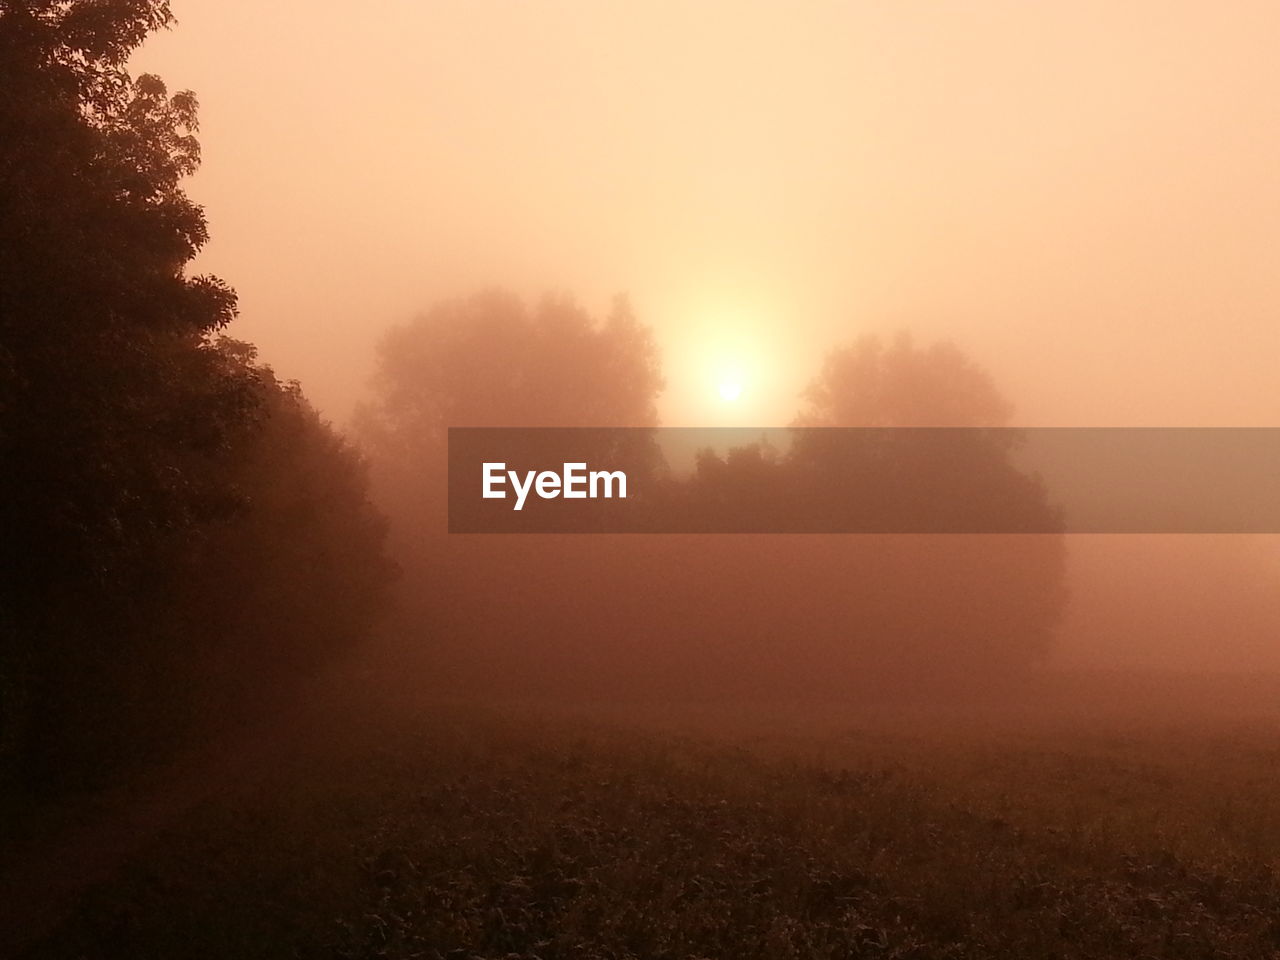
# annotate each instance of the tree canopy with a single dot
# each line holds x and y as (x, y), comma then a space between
(490, 360)
(134, 436)
(871, 384)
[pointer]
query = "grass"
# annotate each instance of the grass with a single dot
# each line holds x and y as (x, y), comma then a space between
(462, 832)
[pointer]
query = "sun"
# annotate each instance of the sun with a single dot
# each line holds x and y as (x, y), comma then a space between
(730, 390)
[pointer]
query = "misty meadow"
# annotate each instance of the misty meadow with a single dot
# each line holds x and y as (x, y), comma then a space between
(256, 700)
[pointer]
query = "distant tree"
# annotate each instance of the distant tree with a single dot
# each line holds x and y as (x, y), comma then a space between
(869, 384)
(491, 360)
(930, 606)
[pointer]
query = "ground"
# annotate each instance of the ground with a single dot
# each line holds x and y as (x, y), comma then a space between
(399, 826)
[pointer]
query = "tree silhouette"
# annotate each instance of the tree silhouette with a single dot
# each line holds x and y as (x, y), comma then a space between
(490, 360)
(114, 398)
(131, 435)
(922, 606)
(869, 384)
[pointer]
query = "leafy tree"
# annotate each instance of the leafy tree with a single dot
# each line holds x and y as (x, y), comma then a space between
(113, 396)
(928, 606)
(491, 360)
(869, 384)
(297, 575)
(114, 399)
(133, 439)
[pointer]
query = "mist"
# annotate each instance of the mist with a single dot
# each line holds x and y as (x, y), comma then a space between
(1082, 197)
(267, 270)
(764, 186)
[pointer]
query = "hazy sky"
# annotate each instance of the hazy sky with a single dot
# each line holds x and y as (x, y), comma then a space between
(1084, 195)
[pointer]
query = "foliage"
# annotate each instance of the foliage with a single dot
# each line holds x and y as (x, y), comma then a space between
(868, 384)
(488, 360)
(298, 575)
(129, 432)
(976, 592)
(491, 360)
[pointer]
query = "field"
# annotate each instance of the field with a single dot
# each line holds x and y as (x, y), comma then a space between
(383, 827)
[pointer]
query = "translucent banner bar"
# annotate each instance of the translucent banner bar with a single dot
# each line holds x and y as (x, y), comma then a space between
(864, 480)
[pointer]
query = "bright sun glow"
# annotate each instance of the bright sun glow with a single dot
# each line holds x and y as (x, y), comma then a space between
(730, 390)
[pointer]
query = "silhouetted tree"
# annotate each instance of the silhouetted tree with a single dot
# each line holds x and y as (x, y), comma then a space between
(297, 575)
(131, 437)
(490, 360)
(931, 605)
(114, 402)
(114, 397)
(869, 384)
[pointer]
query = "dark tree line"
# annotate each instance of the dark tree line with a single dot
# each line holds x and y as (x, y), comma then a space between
(176, 520)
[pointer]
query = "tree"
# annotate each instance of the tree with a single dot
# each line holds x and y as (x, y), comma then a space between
(874, 612)
(488, 360)
(131, 435)
(297, 575)
(870, 385)
(956, 606)
(491, 360)
(114, 397)
(114, 400)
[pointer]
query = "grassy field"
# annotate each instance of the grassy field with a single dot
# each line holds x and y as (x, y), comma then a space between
(459, 832)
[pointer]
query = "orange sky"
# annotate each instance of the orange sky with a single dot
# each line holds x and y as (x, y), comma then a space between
(1084, 195)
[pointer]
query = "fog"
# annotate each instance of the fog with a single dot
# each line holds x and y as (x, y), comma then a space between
(1082, 197)
(357, 600)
